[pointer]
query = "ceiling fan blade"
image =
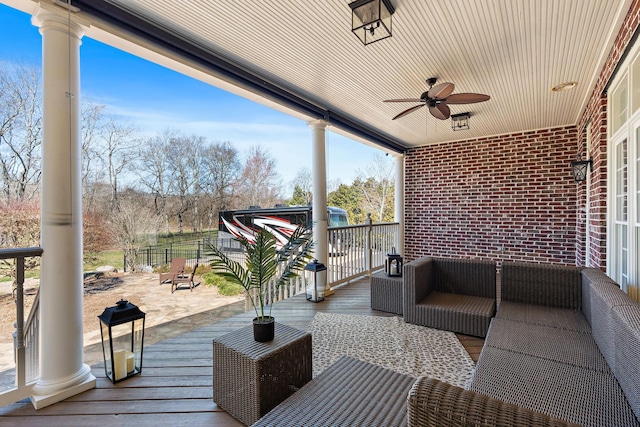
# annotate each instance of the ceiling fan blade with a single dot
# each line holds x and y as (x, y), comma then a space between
(467, 98)
(441, 91)
(409, 110)
(440, 111)
(404, 100)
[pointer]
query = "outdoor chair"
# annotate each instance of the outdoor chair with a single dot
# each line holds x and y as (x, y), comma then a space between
(183, 278)
(177, 267)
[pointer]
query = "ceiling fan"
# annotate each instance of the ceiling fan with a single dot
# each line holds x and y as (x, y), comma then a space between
(437, 98)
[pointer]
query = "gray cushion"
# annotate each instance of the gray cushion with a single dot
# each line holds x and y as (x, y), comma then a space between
(464, 314)
(589, 276)
(562, 318)
(627, 344)
(560, 345)
(583, 396)
(604, 297)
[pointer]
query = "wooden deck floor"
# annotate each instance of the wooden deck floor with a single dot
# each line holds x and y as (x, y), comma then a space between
(175, 387)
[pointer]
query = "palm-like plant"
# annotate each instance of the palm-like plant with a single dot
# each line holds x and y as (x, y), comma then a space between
(264, 262)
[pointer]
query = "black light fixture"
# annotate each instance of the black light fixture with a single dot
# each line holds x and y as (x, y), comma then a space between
(316, 280)
(460, 121)
(122, 331)
(580, 168)
(371, 19)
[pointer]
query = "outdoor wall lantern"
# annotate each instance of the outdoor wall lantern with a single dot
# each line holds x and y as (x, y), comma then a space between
(393, 263)
(316, 280)
(460, 121)
(371, 19)
(579, 169)
(122, 330)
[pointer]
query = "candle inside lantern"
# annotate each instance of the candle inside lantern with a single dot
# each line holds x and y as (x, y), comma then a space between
(130, 362)
(119, 364)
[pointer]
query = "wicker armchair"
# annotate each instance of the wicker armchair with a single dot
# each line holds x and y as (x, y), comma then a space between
(457, 295)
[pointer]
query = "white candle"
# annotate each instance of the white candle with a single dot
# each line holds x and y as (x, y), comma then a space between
(119, 364)
(130, 362)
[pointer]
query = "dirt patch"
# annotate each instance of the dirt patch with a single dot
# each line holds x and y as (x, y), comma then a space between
(98, 293)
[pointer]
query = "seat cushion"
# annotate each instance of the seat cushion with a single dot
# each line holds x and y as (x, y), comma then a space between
(464, 314)
(560, 345)
(583, 396)
(562, 318)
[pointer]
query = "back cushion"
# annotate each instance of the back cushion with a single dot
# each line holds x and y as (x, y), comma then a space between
(589, 276)
(605, 297)
(475, 277)
(550, 285)
(627, 343)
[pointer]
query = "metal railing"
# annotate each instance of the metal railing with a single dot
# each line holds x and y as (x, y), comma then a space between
(26, 335)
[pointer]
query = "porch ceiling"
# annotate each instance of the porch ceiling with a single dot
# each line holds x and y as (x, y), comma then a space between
(514, 51)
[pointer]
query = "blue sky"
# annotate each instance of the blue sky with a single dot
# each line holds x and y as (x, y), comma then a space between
(154, 98)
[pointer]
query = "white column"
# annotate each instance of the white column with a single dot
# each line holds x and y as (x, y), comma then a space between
(398, 212)
(62, 371)
(319, 189)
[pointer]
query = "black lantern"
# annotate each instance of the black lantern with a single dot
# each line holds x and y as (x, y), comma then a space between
(122, 330)
(371, 19)
(316, 280)
(460, 121)
(393, 264)
(580, 168)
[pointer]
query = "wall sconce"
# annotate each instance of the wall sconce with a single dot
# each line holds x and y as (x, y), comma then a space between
(579, 169)
(460, 121)
(371, 19)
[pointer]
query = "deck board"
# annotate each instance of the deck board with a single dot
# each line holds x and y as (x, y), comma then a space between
(175, 385)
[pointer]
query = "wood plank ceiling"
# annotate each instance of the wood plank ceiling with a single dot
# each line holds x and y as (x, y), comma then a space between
(514, 51)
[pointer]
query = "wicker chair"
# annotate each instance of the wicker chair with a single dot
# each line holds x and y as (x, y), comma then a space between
(457, 295)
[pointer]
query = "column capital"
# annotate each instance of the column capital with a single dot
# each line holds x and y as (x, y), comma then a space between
(318, 124)
(47, 16)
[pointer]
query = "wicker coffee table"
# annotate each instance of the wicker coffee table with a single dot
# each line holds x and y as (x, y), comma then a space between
(386, 293)
(251, 378)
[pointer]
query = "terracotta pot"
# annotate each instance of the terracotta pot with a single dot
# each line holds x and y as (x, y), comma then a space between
(263, 330)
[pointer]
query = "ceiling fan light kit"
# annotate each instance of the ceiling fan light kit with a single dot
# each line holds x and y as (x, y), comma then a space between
(460, 121)
(371, 19)
(437, 99)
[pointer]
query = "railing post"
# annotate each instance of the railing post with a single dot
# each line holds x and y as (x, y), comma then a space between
(367, 240)
(20, 352)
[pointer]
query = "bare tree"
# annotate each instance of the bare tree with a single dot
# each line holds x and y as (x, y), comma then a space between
(259, 184)
(155, 171)
(20, 131)
(221, 170)
(132, 222)
(185, 153)
(92, 173)
(376, 185)
(303, 184)
(117, 141)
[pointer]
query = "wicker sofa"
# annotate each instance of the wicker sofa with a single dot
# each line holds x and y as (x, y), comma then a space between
(456, 295)
(561, 351)
(565, 342)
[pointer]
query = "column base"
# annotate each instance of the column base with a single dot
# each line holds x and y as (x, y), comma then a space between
(44, 395)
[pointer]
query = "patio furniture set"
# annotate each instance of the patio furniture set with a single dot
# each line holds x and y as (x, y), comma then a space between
(560, 350)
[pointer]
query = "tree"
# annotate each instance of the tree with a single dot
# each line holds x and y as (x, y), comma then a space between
(376, 185)
(348, 197)
(20, 131)
(302, 195)
(222, 169)
(132, 222)
(259, 184)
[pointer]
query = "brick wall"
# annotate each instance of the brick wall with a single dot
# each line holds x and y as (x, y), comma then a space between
(594, 117)
(504, 198)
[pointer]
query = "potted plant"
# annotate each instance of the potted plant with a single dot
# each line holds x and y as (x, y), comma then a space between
(264, 262)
